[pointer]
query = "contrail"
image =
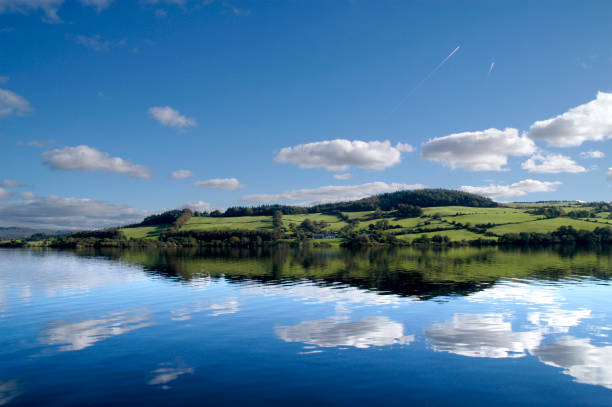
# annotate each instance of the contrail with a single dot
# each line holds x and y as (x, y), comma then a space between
(491, 68)
(425, 78)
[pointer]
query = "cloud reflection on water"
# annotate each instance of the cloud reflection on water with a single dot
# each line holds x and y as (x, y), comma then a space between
(331, 332)
(482, 335)
(83, 334)
(587, 363)
(168, 372)
(9, 390)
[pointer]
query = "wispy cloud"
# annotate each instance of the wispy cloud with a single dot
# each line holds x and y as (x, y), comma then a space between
(13, 104)
(228, 184)
(170, 117)
(48, 7)
(97, 43)
(67, 213)
(182, 174)
(491, 67)
(516, 189)
(331, 193)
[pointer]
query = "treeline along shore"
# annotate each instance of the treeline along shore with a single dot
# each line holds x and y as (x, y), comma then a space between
(420, 218)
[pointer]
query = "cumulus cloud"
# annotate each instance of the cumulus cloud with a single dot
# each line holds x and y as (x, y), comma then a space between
(5, 194)
(332, 332)
(12, 104)
(98, 4)
(48, 7)
(589, 122)
(517, 189)
(85, 158)
(97, 43)
(342, 176)
(228, 184)
(486, 150)
(592, 154)
(182, 174)
(28, 196)
(170, 117)
(331, 193)
(53, 212)
(199, 206)
(340, 155)
(10, 183)
(551, 164)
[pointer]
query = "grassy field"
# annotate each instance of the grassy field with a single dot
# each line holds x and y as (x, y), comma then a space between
(545, 226)
(512, 218)
(242, 222)
(334, 222)
(454, 235)
(143, 232)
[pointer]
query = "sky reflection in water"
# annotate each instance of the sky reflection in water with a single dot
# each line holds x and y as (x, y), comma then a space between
(202, 322)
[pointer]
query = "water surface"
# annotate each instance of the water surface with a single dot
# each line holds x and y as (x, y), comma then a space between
(305, 327)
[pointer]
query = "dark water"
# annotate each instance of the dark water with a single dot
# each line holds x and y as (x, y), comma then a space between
(309, 327)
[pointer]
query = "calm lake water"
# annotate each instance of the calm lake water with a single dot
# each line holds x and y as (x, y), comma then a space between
(306, 327)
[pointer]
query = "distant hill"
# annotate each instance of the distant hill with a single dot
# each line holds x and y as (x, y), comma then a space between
(23, 233)
(387, 202)
(420, 197)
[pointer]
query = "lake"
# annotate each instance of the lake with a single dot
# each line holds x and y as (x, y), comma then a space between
(312, 327)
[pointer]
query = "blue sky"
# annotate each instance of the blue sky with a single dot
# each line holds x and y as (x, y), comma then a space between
(101, 101)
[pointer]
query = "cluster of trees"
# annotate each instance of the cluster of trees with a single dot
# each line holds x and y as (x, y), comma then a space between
(181, 220)
(219, 238)
(564, 235)
(165, 218)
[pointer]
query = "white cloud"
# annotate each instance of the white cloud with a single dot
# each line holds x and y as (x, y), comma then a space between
(331, 193)
(48, 7)
(170, 117)
(517, 189)
(28, 196)
(182, 174)
(85, 158)
(592, 154)
(589, 122)
(486, 150)
(13, 104)
(5, 194)
(404, 148)
(236, 10)
(580, 359)
(97, 43)
(482, 336)
(200, 206)
(98, 4)
(332, 332)
(228, 184)
(53, 212)
(342, 176)
(551, 164)
(340, 155)
(10, 183)
(610, 173)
